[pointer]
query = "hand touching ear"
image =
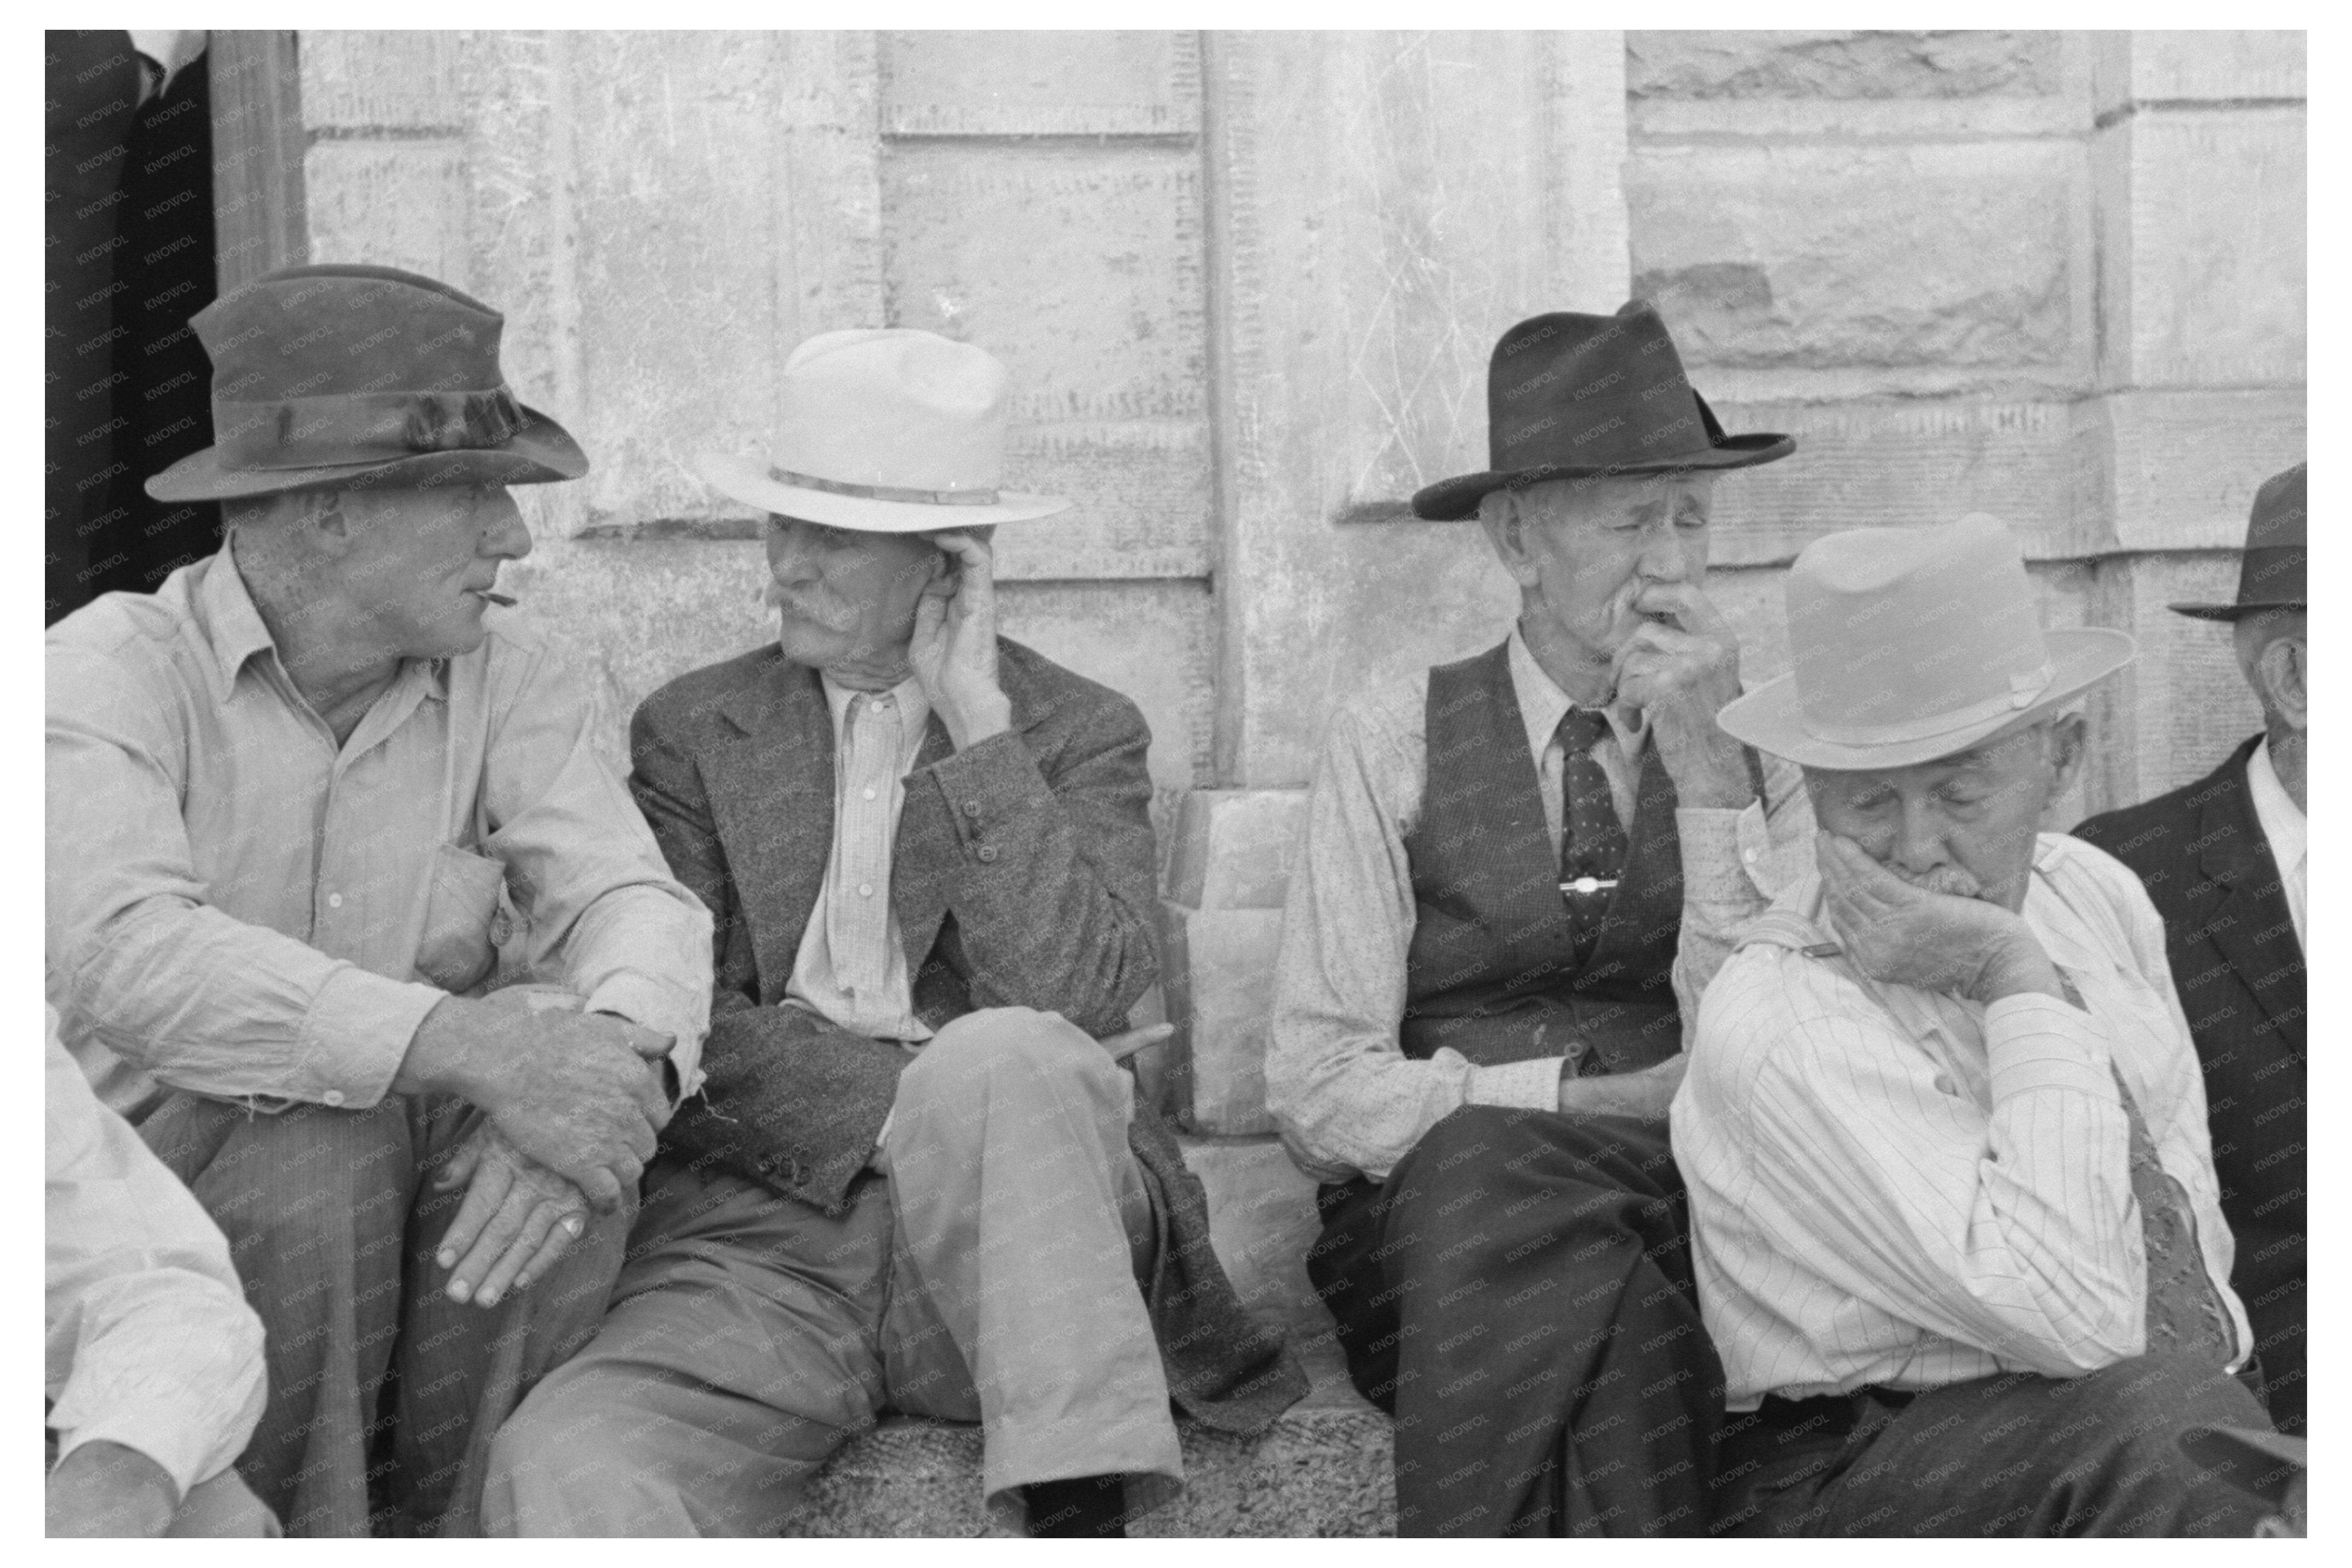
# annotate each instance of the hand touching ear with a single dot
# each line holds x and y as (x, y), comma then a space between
(953, 649)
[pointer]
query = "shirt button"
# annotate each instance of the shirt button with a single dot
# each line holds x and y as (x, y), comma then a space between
(869, 795)
(988, 852)
(971, 808)
(334, 900)
(1748, 856)
(333, 1097)
(865, 890)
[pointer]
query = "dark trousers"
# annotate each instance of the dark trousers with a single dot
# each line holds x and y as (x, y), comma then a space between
(1518, 1295)
(2010, 1455)
(334, 1228)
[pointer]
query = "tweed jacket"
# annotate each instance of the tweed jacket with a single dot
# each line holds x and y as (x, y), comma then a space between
(1022, 874)
(2230, 938)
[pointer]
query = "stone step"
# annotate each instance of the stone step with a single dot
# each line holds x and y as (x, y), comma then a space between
(1325, 1468)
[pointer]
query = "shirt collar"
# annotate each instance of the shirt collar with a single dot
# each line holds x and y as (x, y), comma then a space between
(232, 625)
(2284, 823)
(908, 694)
(1542, 705)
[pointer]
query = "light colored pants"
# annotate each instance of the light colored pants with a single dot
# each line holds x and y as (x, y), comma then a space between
(223, 1507)
(990, 1276)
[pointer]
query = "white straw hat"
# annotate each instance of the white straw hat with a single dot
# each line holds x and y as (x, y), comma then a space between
(887, 430)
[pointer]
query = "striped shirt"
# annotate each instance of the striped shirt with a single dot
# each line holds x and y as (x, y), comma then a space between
(852, 964)
(1930, 1190)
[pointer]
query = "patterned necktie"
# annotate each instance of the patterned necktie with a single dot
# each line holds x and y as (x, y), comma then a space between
(1592, 845)
(2183, 1311)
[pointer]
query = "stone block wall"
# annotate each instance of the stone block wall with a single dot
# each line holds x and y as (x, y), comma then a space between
(1247, 284)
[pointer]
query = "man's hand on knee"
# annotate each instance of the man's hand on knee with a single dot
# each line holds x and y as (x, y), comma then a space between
(105, 1488)
(518, 1218)
(578, 1094)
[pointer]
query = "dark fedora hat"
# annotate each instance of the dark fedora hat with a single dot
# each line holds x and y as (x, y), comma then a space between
(1575, 396)
(345, 375)
(2270, 572)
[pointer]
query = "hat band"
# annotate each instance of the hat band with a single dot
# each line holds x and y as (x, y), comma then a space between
(347, 427)
(2024, 689)
(884, 492)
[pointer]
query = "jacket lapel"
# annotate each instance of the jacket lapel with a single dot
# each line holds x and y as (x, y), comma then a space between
(923, 857)
(2251, 926)
(771, 798)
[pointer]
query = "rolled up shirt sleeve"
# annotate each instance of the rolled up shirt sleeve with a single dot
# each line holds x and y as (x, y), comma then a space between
(149, 1343)
(604, 911)
(1733, 864)
(1346, 1097)
(149, 968)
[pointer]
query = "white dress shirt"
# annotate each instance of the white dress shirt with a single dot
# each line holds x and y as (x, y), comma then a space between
(1345, 1097)
(1931, 1191)
(150, 1342)
(2287, 829)
(852, 964)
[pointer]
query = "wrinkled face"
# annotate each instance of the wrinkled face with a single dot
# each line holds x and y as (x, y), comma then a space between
(1963, 825)
(1586, 548)
(845, 596)
(418, 561)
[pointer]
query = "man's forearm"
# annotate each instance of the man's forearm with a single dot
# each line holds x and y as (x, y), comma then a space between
(1644, 1095)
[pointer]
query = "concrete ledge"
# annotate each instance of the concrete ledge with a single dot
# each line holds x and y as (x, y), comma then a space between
(1324, 1469)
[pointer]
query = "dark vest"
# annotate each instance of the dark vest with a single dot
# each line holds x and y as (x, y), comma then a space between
(1491, 971)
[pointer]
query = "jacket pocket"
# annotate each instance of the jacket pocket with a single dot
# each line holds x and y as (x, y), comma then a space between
(459, 944)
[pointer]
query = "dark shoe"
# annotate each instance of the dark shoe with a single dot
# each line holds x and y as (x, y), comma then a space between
(1082, 1506)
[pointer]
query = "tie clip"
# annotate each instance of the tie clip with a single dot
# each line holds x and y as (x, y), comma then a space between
(1822, 950)
(1590, 885)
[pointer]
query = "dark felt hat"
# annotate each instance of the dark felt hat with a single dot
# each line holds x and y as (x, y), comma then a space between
(2270, 573)
(347, 375)
(1576, 396)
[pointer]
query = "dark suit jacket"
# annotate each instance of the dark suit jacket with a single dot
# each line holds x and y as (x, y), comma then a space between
(1023, 874)
(2239, 969)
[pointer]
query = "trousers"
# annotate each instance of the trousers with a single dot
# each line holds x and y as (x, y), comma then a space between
(1518, 1295)
(987, 1272)
(378, 1382)
(2016, 1455)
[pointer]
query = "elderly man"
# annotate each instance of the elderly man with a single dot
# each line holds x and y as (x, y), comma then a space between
(2223, 859)
(154, 1360)
(1516, 875)
(1959, 1238)
(297, 799)
(916, 1180)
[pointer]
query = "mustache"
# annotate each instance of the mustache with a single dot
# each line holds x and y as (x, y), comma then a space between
(1953, 881)
(826, 611)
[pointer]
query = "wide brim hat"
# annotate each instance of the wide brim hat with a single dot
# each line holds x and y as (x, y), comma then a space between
(2270, 571)
(1577, 396)
(1911, 644)
(352, 377)
(885, 430)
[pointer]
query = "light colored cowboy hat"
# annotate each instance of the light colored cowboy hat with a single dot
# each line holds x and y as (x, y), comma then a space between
(885, 430)
(350, 376)
(1912, 644)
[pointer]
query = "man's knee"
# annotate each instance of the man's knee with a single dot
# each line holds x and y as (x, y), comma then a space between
(985, 1051)
(307, 1179)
